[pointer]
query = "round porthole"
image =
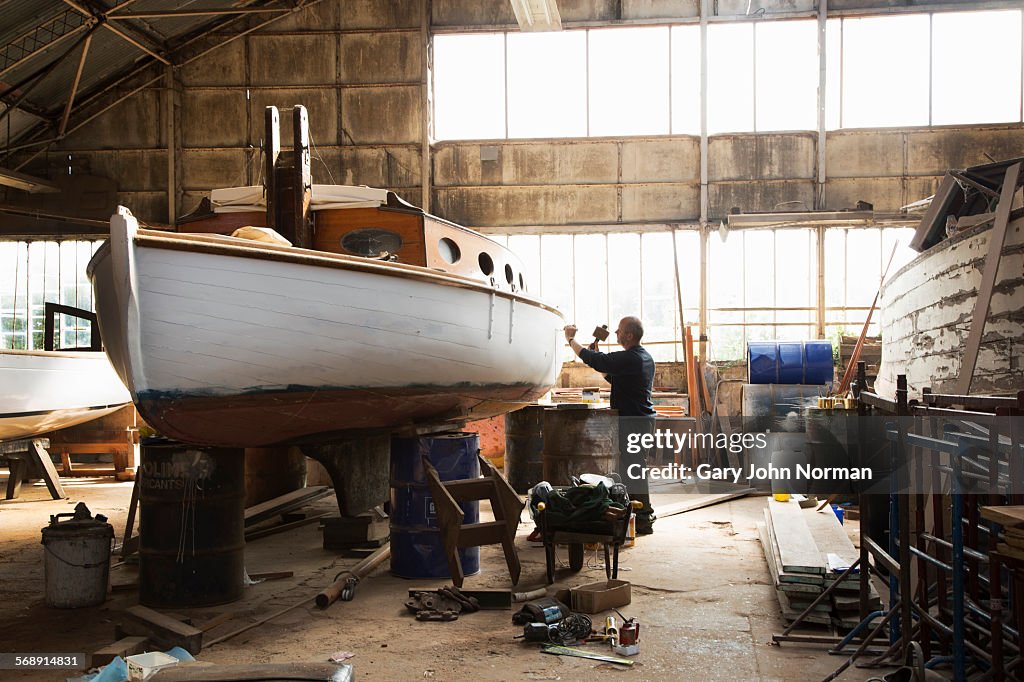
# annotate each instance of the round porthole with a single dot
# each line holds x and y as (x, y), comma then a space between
(371, 242)
(449, 250)
(509, 277)
(486, 264)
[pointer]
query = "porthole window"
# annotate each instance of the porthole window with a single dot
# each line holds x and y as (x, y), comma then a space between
(449, 250)
(522, 282)
(371, 242)
(509, 277)
(486, 264)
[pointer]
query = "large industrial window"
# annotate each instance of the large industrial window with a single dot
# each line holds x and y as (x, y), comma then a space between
(881, 71)
(854, 262)
(885, 71)
(547, 84)
(761, 285)
(964, 90)
(628, 70)
(35, 273)
(469, 87)
(597, 279)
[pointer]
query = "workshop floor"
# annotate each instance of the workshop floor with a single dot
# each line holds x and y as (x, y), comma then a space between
(700, 589)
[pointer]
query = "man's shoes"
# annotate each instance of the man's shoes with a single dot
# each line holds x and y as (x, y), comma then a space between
(535, 536)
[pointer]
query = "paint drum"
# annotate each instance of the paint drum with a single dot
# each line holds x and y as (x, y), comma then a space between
(579, 441)
(829, 434)
(524, 447)
(416, 547)
(790, 362)
(191, 524)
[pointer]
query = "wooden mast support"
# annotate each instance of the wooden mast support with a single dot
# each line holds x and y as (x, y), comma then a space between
(271, 150)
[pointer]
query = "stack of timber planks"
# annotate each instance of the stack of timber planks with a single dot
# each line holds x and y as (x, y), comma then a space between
(1011, 518)
(806, 552)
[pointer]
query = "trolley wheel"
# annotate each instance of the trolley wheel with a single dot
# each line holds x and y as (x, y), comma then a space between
(576, 556)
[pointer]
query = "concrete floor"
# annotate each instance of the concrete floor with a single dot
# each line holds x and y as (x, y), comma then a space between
(700, 589)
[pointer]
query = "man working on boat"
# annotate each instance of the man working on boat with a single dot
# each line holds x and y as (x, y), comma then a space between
(631, 373)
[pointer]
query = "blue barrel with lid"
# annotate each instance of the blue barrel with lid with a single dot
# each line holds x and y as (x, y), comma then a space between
(416, 547)
(790, 362)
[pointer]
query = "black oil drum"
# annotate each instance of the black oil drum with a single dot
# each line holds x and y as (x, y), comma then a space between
(524, 447)
(191, 524)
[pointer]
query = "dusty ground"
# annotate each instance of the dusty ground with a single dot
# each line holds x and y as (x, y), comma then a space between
(700, 587)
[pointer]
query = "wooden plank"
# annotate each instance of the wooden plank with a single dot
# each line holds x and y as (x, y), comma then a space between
(1009, 516)
(164, 631)
(125, 647)
(997, 238)
(283, 503)
(797, 549)
(50, 476)
(803, 578)
(830, 536)
(699, 502)
(787, 610)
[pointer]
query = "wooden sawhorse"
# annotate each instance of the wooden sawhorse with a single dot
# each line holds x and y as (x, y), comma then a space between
(18, 453)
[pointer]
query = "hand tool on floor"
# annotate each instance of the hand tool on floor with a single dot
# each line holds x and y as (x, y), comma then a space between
(580, 653)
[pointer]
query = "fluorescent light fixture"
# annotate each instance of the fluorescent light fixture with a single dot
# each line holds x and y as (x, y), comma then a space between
(537, 15)
(801, 218)
(29, 183)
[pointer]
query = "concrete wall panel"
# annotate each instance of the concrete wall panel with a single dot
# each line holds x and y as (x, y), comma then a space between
(384, 167)
(756, 197)
(206, 170)
(887, 194)
(323, 16)
(380, 58)
(526, 163)
(769, 157)
(670, 160)
(213, 118)
(472, 13)
(136, 122)
(936, 151)
(146, 206)
(371, 14)
(321, 107)
(388, 115)
(589, 10)
(142, 170)
(497, 206)
(661, 202)
(292, 59)
(224, 65)
(659, 9)
(741, 8)
(864, 153)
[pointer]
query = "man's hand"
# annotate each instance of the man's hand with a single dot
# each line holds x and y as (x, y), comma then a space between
(570, 332)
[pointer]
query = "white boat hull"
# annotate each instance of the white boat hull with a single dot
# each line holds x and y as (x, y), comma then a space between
(45, 391)
(927, 309)
(240, 344)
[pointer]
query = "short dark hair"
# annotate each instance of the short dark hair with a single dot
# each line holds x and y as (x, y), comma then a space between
(634, 326)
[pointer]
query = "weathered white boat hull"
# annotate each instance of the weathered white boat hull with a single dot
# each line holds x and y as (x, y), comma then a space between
(237, 344)
(927, 309)
(44, 391)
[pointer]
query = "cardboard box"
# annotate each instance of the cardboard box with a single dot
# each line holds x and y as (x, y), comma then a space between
(598, 597)
(142, 666)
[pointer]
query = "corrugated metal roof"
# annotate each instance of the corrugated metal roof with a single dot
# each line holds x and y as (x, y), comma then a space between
(33, 25)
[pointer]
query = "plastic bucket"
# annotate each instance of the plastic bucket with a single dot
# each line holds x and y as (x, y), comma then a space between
(416, 547)
(77, 563)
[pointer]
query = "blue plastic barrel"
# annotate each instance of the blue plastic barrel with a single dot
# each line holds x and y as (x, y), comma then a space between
(790, 362)
(416, 547)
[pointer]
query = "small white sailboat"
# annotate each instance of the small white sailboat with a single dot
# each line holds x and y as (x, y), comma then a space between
(43, 391)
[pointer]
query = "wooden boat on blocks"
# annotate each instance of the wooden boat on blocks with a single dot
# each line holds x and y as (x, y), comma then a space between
(49, 390)
(929, 308)
(379, 317)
